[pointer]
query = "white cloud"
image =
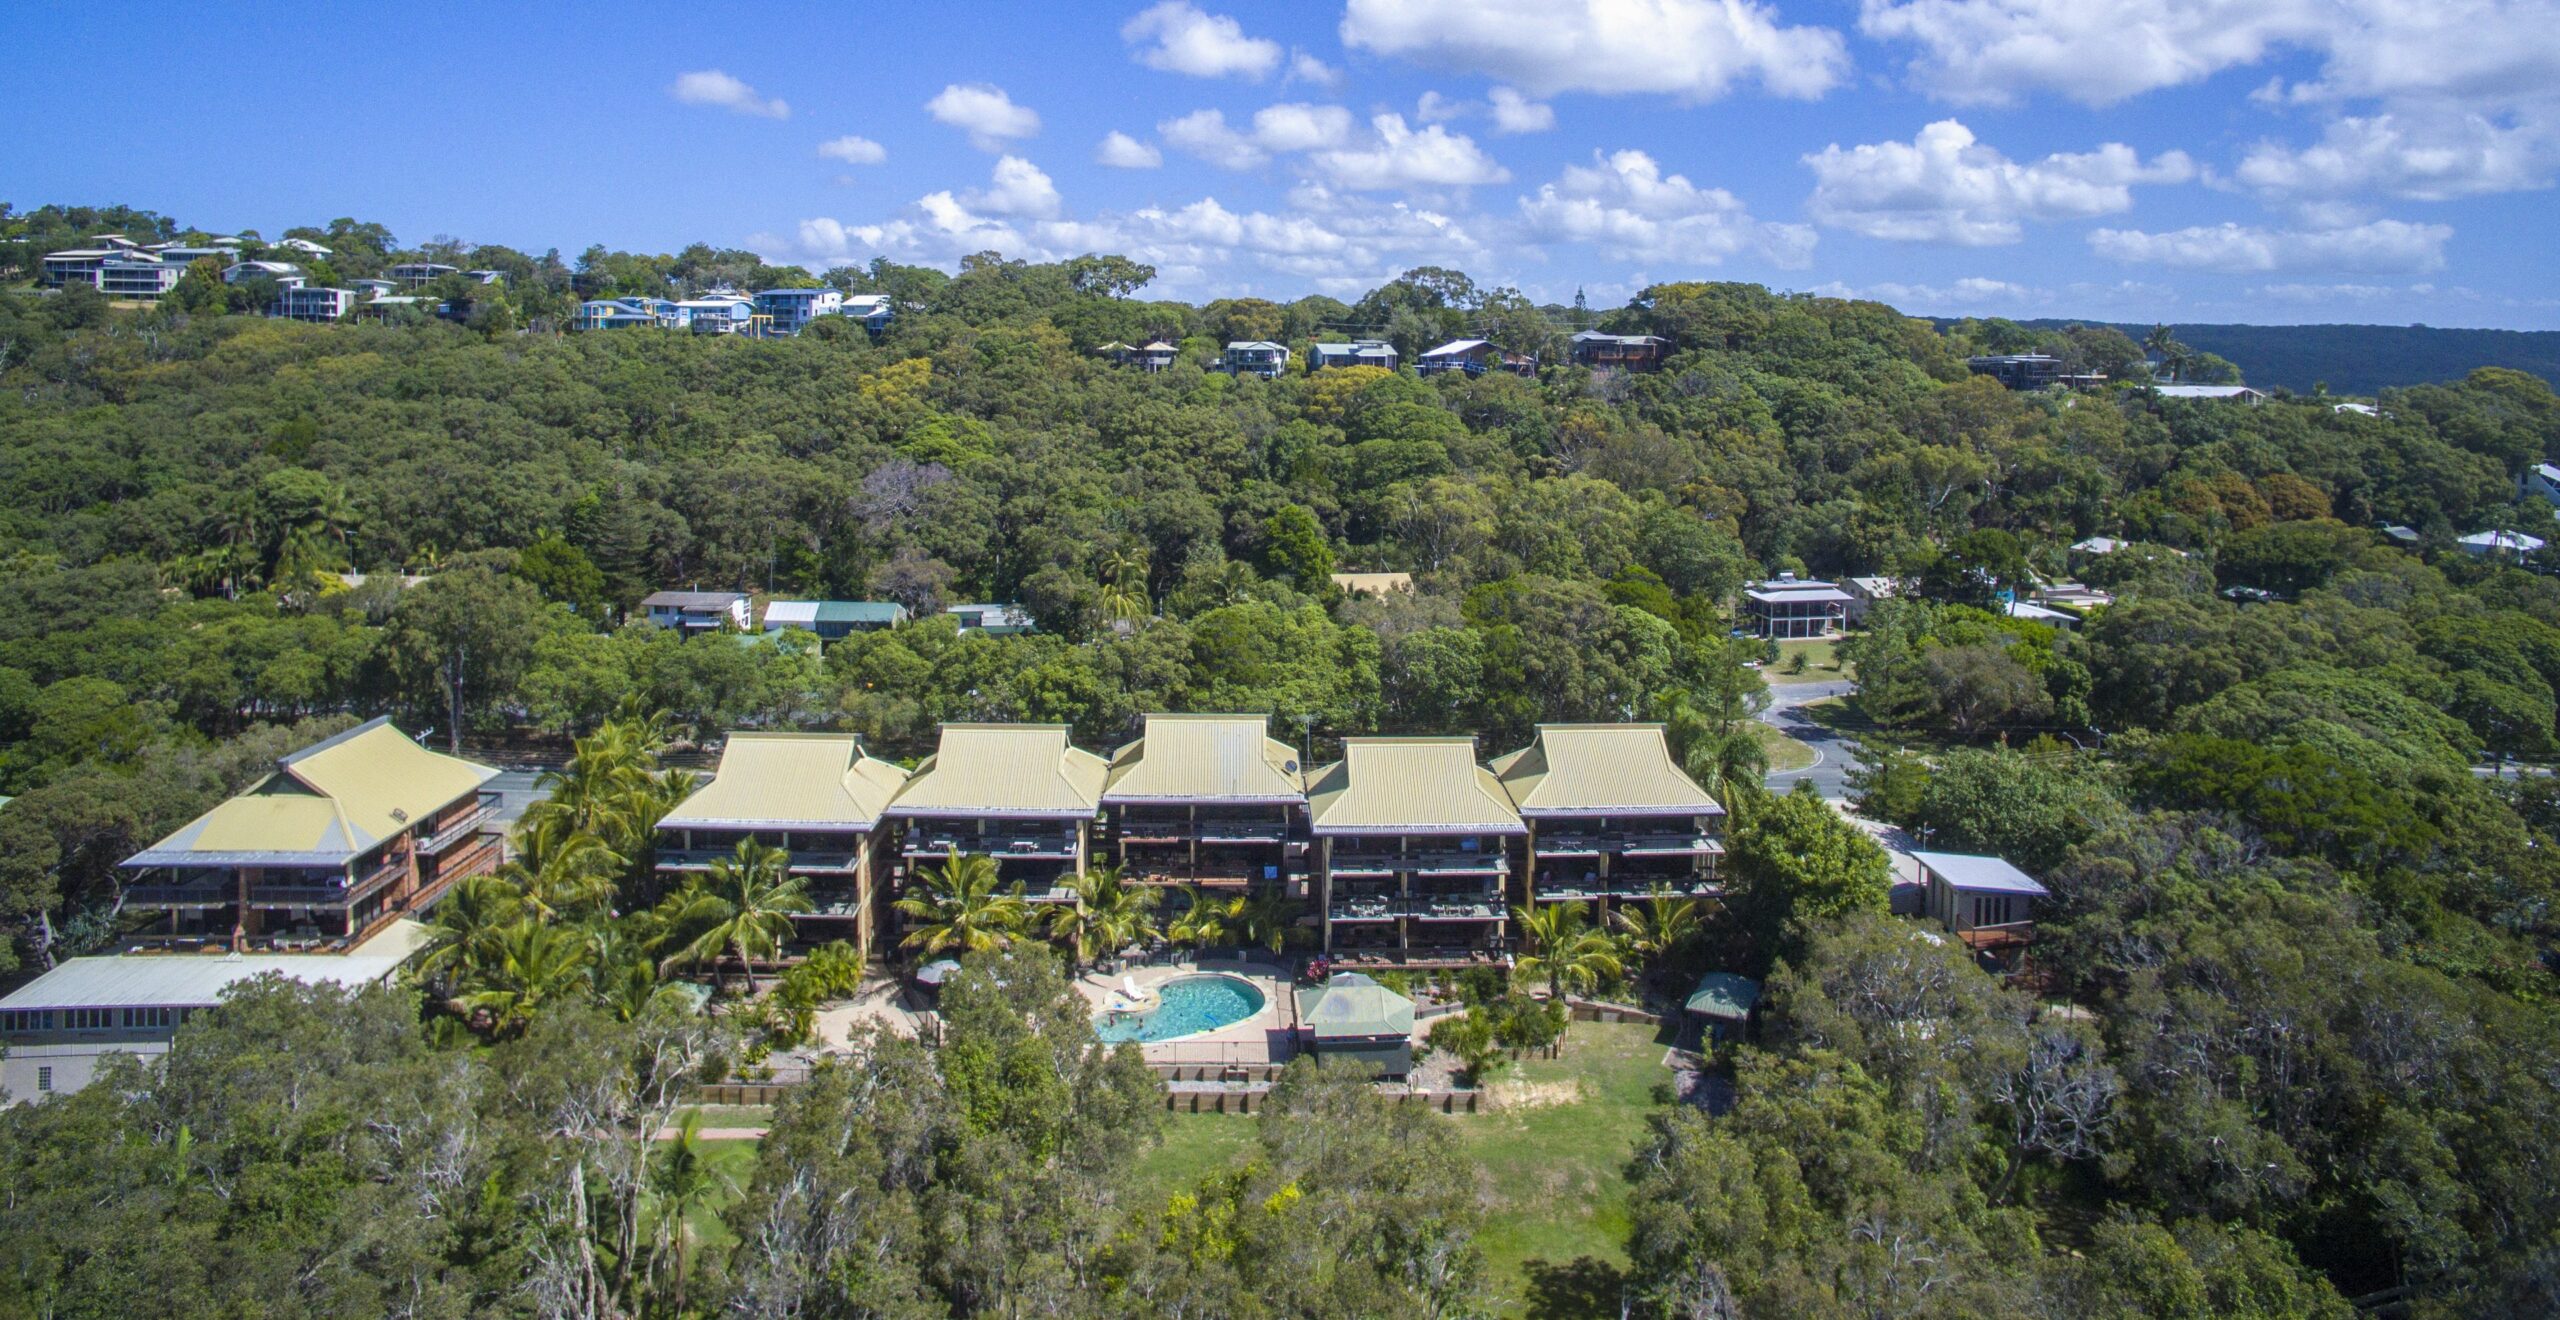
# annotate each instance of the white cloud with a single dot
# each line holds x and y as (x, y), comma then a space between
(2321, 293)
(1943, 186)
(1514, 113)
(1296, 126)
(984, 111)
(1625, 206)
(854, 149)
(1693, 49)
(1306, 68)
(1182, 39)
(1018, 188)
(713, 87)
(1400, 157)
(2417, 157)
(2380, 246)
(1207, 135)
(1123, 152)
(1434, 108)
(1963, 295)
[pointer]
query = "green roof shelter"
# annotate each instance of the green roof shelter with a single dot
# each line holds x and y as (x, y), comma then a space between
(1725, 1001)
(1353, 1017)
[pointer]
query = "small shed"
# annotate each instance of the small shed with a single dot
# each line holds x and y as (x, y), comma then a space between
(1725, 1001)
(1353, 1017)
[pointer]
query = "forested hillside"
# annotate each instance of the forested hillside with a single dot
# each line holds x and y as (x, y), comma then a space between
(2297, 1038)
(2361, 359)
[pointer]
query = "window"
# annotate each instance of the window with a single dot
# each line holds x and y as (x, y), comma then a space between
(44, 1079)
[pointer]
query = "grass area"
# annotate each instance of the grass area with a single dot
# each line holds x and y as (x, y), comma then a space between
(731, 1116)
(1821, 663)
(1784, 753)
(1548, 1167)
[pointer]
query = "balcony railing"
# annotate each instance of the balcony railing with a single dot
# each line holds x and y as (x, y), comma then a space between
(1032, 846)
(220, 893)
(1437, 956)
(471, 821)
(700, 859)
(1430, 863)
(1647, 843)
(1418, 909)
(1627, 887)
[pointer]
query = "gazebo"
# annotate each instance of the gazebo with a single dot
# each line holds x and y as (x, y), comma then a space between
(1726, 1002)
(1353, 1017)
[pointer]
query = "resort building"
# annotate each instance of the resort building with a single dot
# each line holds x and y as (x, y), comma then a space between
(1611, 817)
(77, 265)
(342, 838)
(1619, 352)
(833, 620)
(1018, 793)
(1358, 353)
(1787, 607)
(138, 277)
(699, 611)
(1206, 799)
(59, 1028)
(1255, 357)
(816, 796)
(1411, 839)
(1983, 901)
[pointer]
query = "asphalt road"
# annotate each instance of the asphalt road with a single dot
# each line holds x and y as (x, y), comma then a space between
(516, 792)
(1833, 754)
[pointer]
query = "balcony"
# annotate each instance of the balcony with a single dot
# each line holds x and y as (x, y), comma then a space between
(1454, 909)
(1365, 909)
(812, 863)
(1041, 847)
(1243, 831)
(471, 821)
(1439, 956)
(1629, 843)
(1421, 863)
(199, 894)
(1627, 887)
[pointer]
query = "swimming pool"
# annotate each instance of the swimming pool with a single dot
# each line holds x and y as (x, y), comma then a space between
(1186, 1005)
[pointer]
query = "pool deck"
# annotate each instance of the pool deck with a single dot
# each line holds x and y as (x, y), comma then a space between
(1260, 1039)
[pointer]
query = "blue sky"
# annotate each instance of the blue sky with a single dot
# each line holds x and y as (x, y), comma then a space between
(2380, 161)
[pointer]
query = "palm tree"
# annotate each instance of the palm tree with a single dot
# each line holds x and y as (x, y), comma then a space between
(684, 1185)
(960, 909)
(1564, 950)
(1109, 914)
(1203, 921)
(532, 965)
(1661, 926)
(743, 906)
(462, 932)
(1265, 919)
(1124, 582)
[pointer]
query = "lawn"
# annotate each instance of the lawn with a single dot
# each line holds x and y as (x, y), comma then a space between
(1821, 663)
(1548, 1167)
(1784, 753)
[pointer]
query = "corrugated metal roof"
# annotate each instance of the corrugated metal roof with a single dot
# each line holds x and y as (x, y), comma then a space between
(692, 599)
(1724, 995)
(1004, 770)
(1409, 785)
(1349, 1006)
(1456, 346)
(1980, 874)
(1203, 758)
(1598, 769)
(172, 980)
(791, 779)
(326, 803)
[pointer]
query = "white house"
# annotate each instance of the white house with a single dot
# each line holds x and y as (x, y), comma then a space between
(2510, 545)
(2541, 479)
(698, 611)
(282, 272)
(2212, 393)
(306, 302)
(134, 276)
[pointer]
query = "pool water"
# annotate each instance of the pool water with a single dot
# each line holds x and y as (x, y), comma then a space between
(1187, 1005)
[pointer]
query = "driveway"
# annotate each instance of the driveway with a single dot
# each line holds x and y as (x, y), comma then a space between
(1833, 754)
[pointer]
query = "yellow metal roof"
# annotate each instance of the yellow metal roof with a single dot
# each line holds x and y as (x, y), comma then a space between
(1409, 785)
(1598, 769)
(1195, 758)
(324, 804)
(788, 779)
(1004, 770)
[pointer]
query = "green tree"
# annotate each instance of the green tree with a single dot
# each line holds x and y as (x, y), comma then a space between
(958, 908)
(741, 908)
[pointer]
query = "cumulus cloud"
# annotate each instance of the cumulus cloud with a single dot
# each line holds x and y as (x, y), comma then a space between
(1961, 295)
(1626, 207)
(2379, 247)
(2417, 157)
(1287, 127)
(1696, 50)
(1207, 135)
(1306, 68)
(1296, 126)
(1123, 152)
(1510, 111)
(1018, 188)
(1177, 37)
(1943, 186)
(713, 87)
(983, 111)
(1398, 156)
(854, 149)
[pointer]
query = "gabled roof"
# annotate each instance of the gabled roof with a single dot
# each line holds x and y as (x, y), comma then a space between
(802, 613)
(692, 600)
(1457, 346)
(1724, 995)
(1598, 770)
(1248, 345)
(1409, 786)
(1205, 758)
(1979, 874)
(791, 780)
(1598, 337)
(1005, 770)
(324, 805)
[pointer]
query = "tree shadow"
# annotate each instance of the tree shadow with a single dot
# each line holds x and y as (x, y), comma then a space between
(1587, 1289)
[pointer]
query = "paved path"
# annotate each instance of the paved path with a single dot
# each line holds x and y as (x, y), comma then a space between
(1833, 755)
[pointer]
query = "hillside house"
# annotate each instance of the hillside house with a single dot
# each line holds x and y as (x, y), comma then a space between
(833, 620)
(789, 311)
(998, 620)
(2542, 479)
(1155, 356)
(1254, 357)
(411, 274)
(340, 839)
(304, 302)
(1474, 357)
(1983, 901)
(2240, 394)
(1787, 607)
(284, 273)
(138, 277)
(1358, 353)
(1602, 352)
(2018, 371)
(698, 611)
